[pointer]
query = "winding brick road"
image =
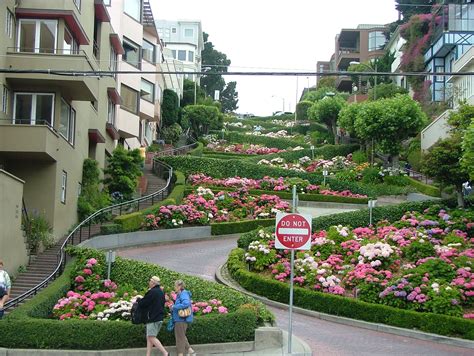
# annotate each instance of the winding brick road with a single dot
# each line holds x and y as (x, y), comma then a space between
(201, 258)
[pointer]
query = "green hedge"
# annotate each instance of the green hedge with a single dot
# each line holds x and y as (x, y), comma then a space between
(360, 218)
(288, 195)
(326, 151)
(130, 222)
(27, 328)
(281, 143)
(427, 189)
(347, 307)
(228, 168)
(179, 178)
(197, 151)
(177, 194)
(225, 228)
(111, 228)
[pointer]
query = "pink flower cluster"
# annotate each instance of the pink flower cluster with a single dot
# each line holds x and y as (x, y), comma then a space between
(244, 149)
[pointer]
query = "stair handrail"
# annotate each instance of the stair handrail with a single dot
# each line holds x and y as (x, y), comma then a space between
(172, 151)
(61, 254)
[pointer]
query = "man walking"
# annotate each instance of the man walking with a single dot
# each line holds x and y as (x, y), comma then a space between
(153, 304)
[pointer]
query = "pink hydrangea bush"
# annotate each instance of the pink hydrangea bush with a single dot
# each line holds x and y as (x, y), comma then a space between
(421, 262)
(248, 149)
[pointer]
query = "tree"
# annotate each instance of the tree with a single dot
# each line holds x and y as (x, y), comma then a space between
(389, 122)
(467, 162)
(327, 111)
(169, 107)
(327, 82)
(229, 98)
(442, 163)
(172, 133)
(218, 63)
(408, 8)
(122, 172)
(318, 94)
(383, 91)
(92, 198)
(347, 117)
(202, 117)
(188, 93)
(302, 109)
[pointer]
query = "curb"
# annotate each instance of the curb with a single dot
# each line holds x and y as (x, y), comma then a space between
(420, 335)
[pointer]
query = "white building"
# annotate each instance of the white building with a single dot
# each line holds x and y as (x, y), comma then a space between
(395, 46)
(169, 67)
(185, 40)
(141, 93)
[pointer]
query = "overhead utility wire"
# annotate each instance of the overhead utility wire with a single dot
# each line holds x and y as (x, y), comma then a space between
(108, 73)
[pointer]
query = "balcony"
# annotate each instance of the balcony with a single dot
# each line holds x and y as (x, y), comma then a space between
(79, 88)
(39, 142)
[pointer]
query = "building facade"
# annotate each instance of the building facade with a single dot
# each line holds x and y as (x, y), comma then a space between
(139, 113)
(185, 40)
(50, 123)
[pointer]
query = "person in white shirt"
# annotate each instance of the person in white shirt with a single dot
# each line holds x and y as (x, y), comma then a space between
(5, 286)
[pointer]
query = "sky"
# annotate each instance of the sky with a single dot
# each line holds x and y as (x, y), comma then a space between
(272, 35)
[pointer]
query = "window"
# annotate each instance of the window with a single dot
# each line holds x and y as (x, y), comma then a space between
(181, 55)
(173, 30)
(9, 21)
(132, 53)
(96, 43)
(173, 52)
(188, 32)
(37, 36)
(5, 97)
(147, 91)
(67, 122)
(34, 109)
(129, 98)
(133, 8)
(77, 3)
(107, 2)
(113, 61)
(190, 56)
(377, 40)
(63, 187)
(79, 189)
(111, 113)
(148, 51)
(70, 46)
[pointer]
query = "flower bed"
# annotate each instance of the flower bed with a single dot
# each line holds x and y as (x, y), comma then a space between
(248, 149)
(306, 164)
(204, 207)
(269, 184)
(423, 262)
(30, 325)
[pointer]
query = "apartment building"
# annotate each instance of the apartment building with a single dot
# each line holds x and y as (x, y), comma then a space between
(395, 45)
(141, 92)
(49, 121)
(185, 40)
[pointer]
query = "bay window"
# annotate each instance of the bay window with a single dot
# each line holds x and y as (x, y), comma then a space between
(67, 122)
(129, 99)
(33, 109)
(132, 53)
(147, 91)
(133, 8)
(37, 36)
(148, 51)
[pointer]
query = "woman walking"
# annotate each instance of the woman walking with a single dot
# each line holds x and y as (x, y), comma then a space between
(182, 316)
(5, 286)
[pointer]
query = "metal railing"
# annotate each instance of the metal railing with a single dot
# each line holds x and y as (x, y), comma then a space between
(161, 169)
(176, 151)
(418, 176)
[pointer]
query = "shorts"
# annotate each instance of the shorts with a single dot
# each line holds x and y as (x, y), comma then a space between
(152, 329)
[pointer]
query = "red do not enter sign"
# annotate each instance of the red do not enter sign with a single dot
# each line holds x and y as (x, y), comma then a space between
(293, 231)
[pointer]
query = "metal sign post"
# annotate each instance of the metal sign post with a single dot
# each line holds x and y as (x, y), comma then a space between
(371, 204)
(325, 174)
(292, 231)
(109, 258)
(312, 151)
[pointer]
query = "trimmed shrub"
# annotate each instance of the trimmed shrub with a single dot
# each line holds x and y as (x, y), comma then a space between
(111, 228)
(153, 209)
(359, 157)
(280, 143)
(130, 222)
(26, 327)
(427, 189)
(179, 178)
(177, 194)
(346, 307)
(197, 151)
(302, 109)
(225, 228)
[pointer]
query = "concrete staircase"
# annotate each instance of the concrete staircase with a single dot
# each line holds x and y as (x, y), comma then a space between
(43, 265)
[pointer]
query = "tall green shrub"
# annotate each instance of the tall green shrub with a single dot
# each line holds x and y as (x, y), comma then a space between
(123, 170)
(92, 197)
(169, 107)
(302, 109)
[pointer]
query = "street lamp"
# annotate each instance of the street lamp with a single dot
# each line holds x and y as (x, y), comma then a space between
(204, 69)
(375, 96)
(374, 70)
(283, 100)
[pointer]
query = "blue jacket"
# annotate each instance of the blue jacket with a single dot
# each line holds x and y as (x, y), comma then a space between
(183, 301)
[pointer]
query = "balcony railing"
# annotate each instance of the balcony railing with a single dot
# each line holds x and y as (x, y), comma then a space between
(39, 50)
(27, 122)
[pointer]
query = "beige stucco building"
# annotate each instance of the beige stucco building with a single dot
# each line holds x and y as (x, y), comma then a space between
(49, 121)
